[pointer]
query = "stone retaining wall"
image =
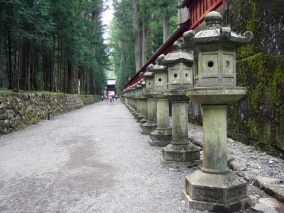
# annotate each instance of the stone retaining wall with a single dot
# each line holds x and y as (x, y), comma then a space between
(18, 110)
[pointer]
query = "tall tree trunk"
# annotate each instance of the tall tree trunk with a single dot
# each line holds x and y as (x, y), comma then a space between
(70, 73)
(64, 72)
(29, 62)
(59, 87)
(145, 43)
(137, 37)
(1, 40)
(20, 59)
(145, 35)
(44, 70)
(10, 74)
(166, 26)
(24, 64)
(35, 69)
(92, 83)
(50, 66)
(16, 67)
(51, 71)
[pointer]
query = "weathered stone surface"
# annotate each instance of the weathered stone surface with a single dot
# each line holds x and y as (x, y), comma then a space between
(15, 121)
(181, 153)
(259, 207)
(148, 127)
(18, 110)
(160, 137)
(269, 185)
(216, 192)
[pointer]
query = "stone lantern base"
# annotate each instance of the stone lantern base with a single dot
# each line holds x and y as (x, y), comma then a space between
(132, 110)
(143, 121)
(134, 113)
(139, 117)
(148, 127)
(180, 155)
(160, 137)
(216, 192)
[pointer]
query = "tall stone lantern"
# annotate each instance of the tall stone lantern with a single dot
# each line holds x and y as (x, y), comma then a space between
(130, 99)
(162, 135)
(151, 123)
(215, 187)
(126, 98)
(180, 152)
(143, 103)
(137, 97)
(140, 87)
(134, 99)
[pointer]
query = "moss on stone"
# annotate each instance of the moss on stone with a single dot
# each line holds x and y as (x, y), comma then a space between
(263, 75)
(258, 119)
(18, 110)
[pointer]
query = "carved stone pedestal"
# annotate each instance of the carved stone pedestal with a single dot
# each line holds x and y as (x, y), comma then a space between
(216, 192)
(180, 152)
(162, 135)
(180, 155)
(151, 123)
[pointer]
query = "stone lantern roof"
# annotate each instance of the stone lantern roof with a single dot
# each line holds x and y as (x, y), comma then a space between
(178, 56)
(158, 67)
(147, 74)
(216, 33)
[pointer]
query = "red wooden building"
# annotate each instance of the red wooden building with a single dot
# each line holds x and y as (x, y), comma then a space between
(191, 15)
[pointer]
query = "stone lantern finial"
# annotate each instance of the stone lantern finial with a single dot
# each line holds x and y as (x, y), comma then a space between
(213, 19)
(177, 45)
(160, 60)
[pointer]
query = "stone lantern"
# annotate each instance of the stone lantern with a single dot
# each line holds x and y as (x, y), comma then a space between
(143, 103)
(180, 69)
(215, 53)
(134, 98)
(162, 135)
(131, 100)
(137, 99)
(151, 123)
(180, 152)
(215, 88)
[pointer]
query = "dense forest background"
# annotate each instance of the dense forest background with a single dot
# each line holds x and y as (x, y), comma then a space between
(51, 45)
(138, 29)
(59, 45)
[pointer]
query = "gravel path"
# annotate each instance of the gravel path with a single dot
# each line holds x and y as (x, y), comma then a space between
(95, 160)
(90, 160)
(247, 159)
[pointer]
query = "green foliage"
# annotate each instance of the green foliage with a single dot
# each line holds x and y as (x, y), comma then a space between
(121, 41)
(49, 34)
(276, 6)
